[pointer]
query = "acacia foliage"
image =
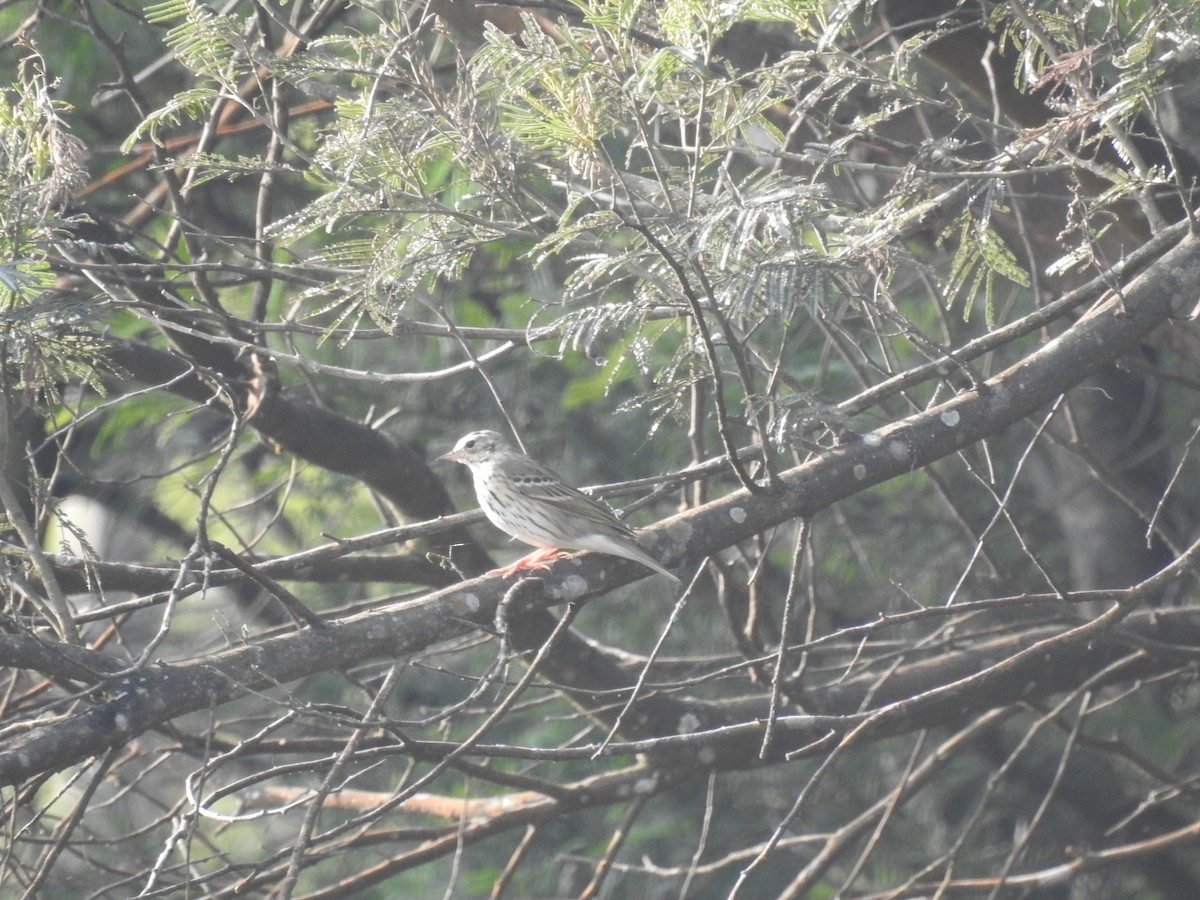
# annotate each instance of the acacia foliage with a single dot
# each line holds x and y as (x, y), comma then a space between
(876, 316)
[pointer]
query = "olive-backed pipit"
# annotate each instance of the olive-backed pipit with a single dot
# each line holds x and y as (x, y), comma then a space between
(531, 502)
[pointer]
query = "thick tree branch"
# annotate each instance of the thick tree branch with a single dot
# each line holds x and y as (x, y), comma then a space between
(161, 692)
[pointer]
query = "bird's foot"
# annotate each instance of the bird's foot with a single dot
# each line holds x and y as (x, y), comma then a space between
(539, 559)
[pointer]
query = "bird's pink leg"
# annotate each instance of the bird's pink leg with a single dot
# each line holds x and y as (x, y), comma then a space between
(539, 559)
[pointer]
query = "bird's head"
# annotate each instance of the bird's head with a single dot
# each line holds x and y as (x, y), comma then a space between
(477, 447)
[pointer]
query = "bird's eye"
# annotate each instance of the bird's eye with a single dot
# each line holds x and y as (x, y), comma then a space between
(470, 444)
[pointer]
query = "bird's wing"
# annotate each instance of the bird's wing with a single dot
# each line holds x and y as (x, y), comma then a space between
(539, 482)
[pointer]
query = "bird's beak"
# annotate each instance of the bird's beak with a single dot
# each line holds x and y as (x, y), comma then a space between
(452, 456)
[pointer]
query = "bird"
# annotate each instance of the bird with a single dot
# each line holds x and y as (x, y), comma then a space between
(531, 502)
